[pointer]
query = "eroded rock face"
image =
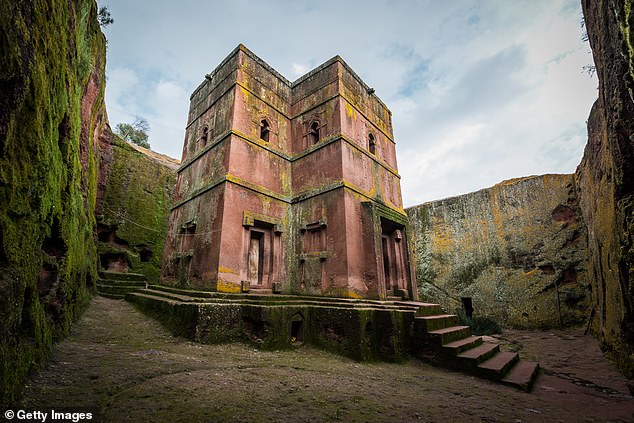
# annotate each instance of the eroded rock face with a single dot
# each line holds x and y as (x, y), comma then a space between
(52, 80)
(516, 250)
(133, 202)
(606, 180)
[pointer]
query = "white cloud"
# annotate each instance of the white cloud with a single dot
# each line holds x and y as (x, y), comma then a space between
(168, 118)
(299, 70)
(162, 103)
(428, 166)
(120, 95)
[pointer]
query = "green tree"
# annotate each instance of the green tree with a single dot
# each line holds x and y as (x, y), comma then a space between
(135, 132)
(104, 16)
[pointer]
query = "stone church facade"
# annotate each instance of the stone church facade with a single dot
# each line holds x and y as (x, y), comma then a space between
(288, 187)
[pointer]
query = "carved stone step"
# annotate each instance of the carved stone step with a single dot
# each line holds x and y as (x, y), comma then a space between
(456, 347)
(450, 334)
(428, 309)
(498, 366)
(122, 276)
(522, 375)
(116, 289)
(479, 354)
(140, 284)
(392, 298)
(439, 321)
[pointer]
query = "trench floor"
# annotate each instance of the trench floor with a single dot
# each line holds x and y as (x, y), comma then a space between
(123, 366)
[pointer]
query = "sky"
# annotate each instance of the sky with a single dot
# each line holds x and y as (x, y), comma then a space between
(480, 91)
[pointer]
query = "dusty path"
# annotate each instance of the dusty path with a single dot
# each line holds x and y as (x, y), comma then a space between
(123, 366)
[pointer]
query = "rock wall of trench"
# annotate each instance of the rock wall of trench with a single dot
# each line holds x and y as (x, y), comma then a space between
(606, 178)
(517, 250)
(134, 201)
(52, 80)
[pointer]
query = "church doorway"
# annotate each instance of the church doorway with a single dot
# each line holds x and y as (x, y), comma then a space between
(261, 251)
(393, 254)
(256, 258)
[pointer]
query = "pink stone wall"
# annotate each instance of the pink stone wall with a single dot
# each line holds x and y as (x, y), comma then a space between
(316, 87)
(205, 212)
(356, 127)
(250, 110)
(232, 262)
(362, 268)
(209, 168)
(252, 163)
(217, 119)
(367, 104)
(309, 173)
(332, 265)
(327, 116)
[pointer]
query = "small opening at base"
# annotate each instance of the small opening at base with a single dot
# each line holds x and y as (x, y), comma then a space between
(296, 331)
(467, 306)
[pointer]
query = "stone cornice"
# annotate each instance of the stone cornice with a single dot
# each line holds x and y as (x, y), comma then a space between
(289, 199)
(290, 157)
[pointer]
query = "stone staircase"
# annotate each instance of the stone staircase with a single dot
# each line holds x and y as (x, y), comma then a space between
(116, 285)
(434, 335)
(451, 345)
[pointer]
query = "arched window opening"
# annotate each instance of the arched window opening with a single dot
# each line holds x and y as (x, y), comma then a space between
(265, 130)
(371, 144)
(314, 132)
(205, 135)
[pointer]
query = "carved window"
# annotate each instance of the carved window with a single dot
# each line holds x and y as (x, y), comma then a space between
(265, 130)
(187, 233)
(313, 132)
(371, 144)
(205, 136)
(314, 237)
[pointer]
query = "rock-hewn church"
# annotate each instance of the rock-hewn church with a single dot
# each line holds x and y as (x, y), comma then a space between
(288, 187)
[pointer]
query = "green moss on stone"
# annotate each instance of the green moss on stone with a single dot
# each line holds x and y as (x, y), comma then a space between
(47, 175)
(137, 201)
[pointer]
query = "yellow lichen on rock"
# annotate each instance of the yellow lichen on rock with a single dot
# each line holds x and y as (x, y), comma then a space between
(228, 287)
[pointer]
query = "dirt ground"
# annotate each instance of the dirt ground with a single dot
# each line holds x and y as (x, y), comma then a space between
(123, 366)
